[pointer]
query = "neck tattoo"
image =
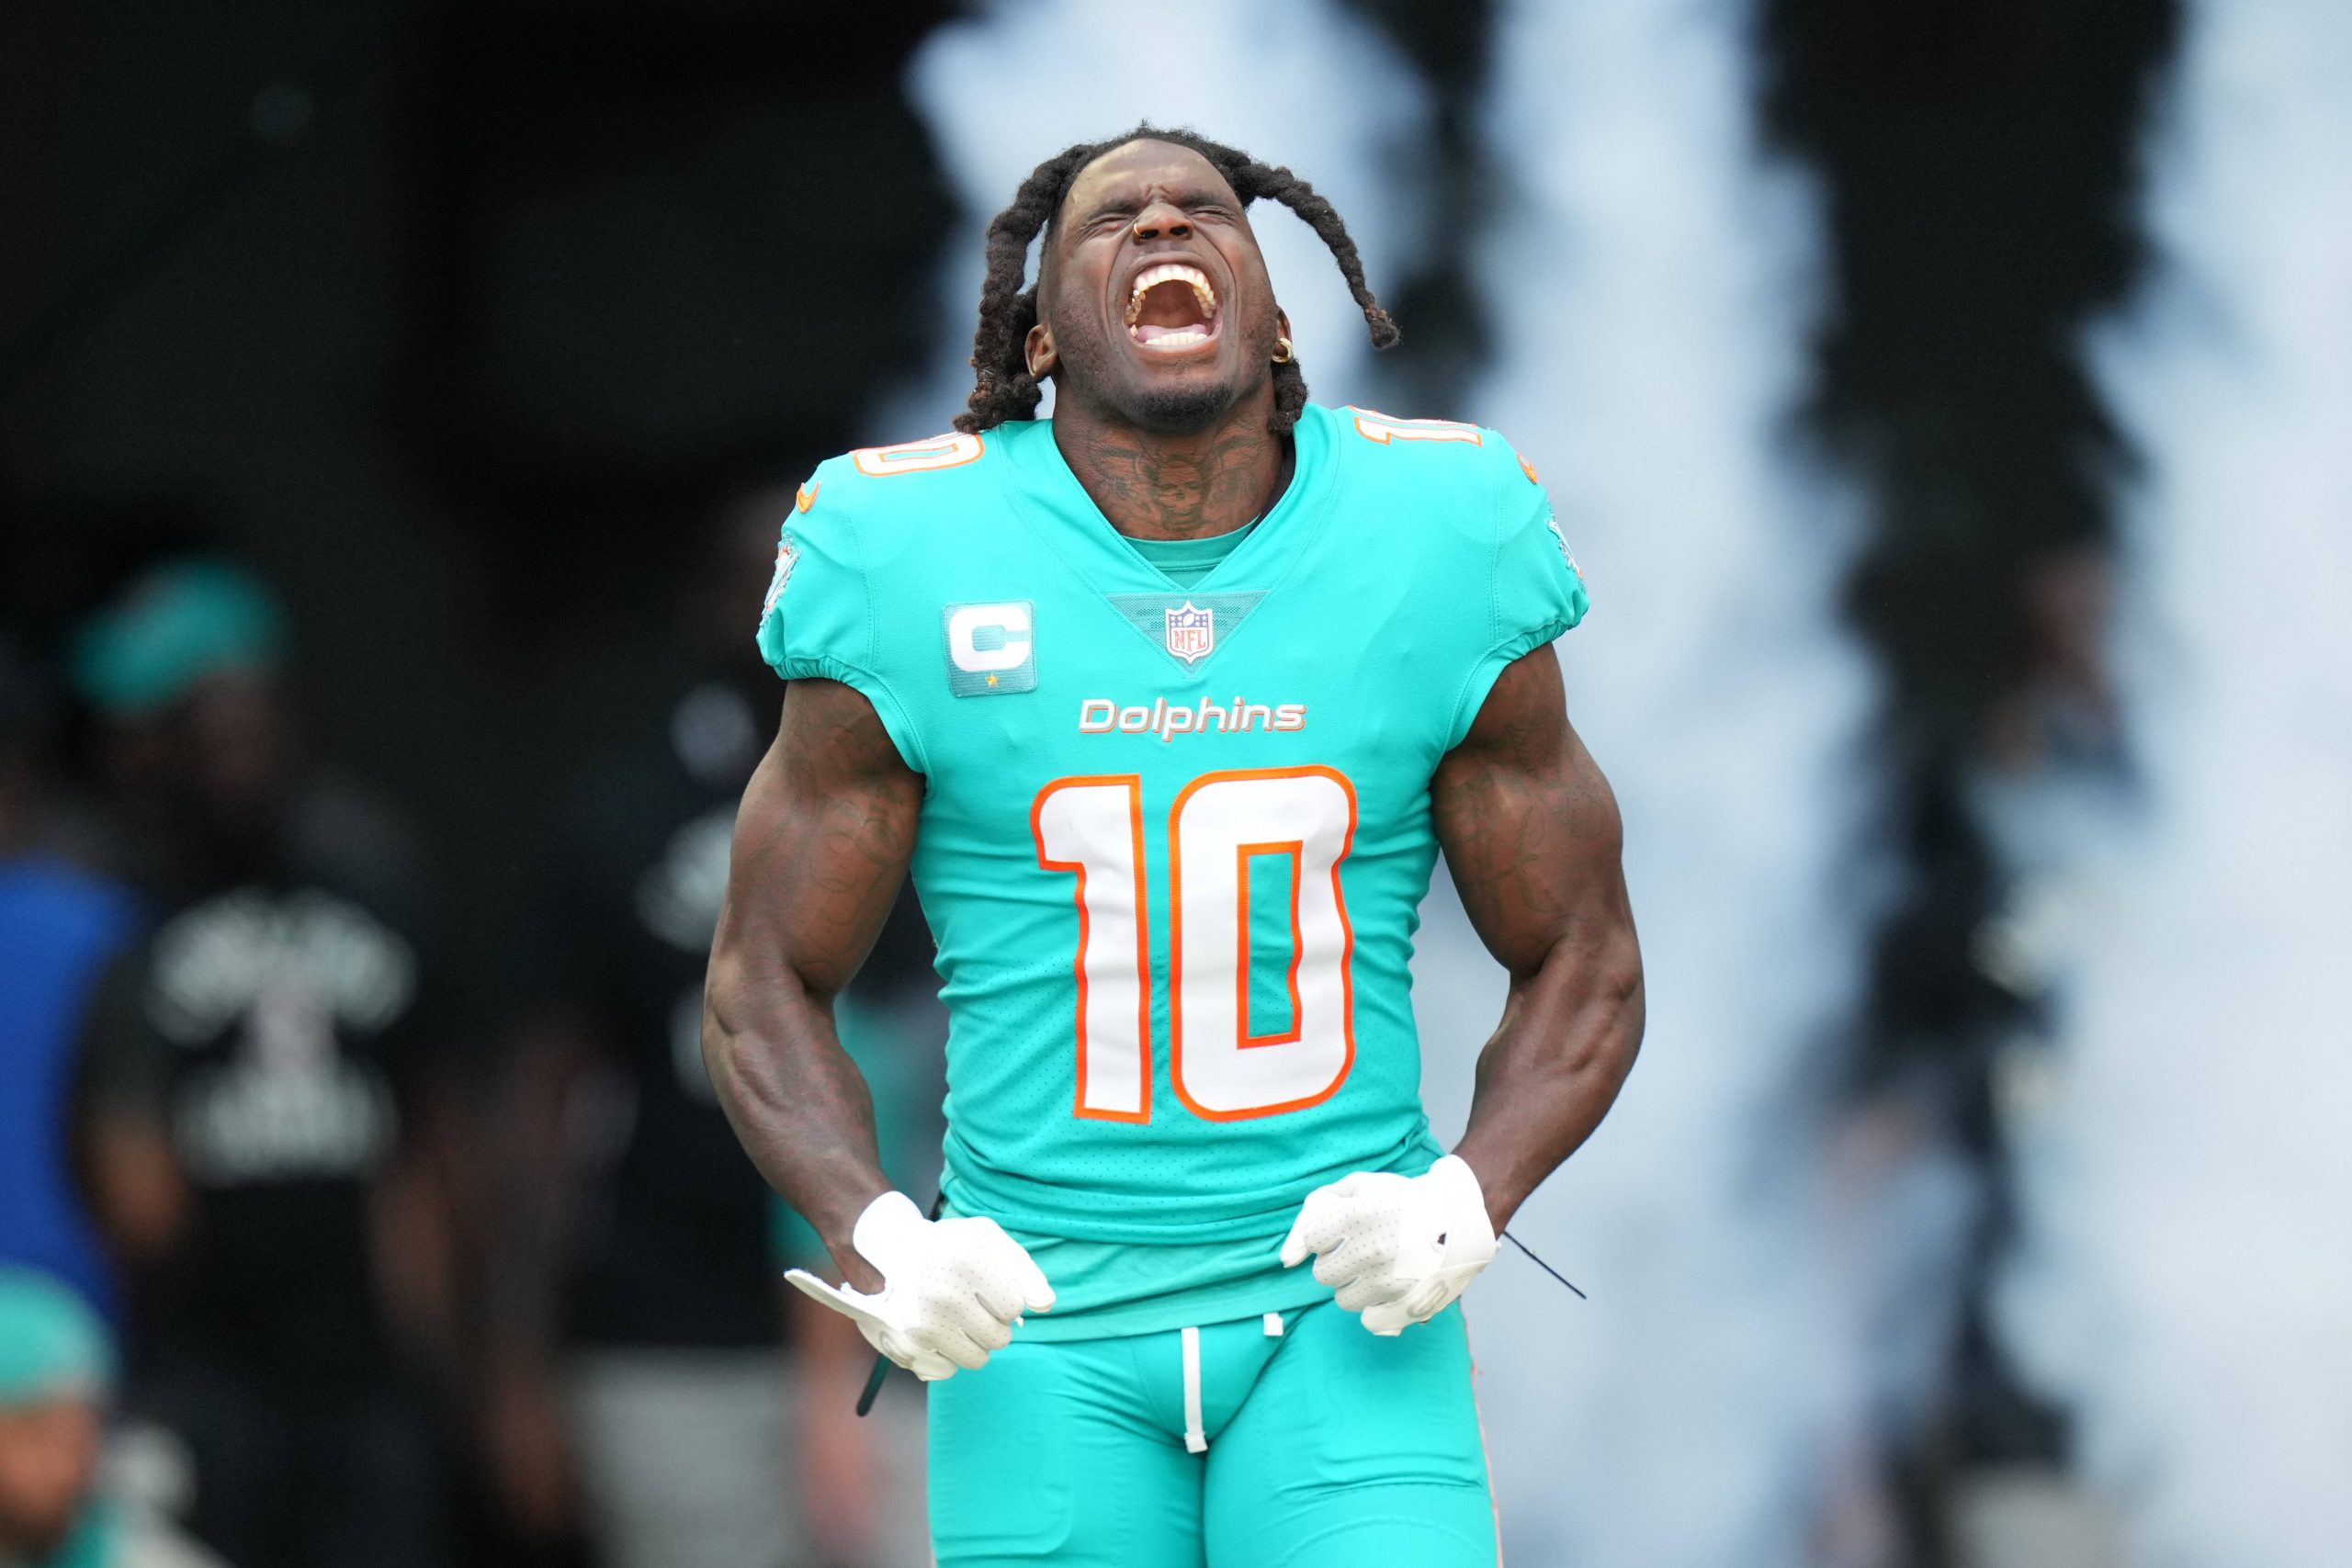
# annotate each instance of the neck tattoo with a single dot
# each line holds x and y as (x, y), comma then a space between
(1190, 488)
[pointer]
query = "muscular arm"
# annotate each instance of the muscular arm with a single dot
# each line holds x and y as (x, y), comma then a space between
(1531, 835)
(823, 840)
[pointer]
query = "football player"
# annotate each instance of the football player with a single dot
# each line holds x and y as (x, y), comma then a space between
(1171, 703)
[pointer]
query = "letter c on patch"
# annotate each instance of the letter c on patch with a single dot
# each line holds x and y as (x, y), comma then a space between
(1004, 629)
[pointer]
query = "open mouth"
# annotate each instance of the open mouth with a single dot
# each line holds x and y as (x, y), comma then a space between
(1172, 306)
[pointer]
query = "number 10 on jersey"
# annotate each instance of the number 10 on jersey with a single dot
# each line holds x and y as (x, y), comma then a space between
(1092, 827)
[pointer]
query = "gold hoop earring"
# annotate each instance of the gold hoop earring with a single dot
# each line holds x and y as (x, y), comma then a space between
(1282, 351)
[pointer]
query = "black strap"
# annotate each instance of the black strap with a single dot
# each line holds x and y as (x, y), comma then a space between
(874, 1381)
(1540, 1264)
(881, 1373)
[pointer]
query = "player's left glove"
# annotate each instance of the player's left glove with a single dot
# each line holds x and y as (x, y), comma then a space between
(1398, 1248)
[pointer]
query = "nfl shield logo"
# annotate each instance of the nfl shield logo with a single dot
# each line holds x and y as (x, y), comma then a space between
(1191, 633)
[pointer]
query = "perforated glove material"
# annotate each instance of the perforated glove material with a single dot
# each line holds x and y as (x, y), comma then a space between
(952, 1290)
(1399, 1249)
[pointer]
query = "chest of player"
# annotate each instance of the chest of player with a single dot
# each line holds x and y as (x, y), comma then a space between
(1044, 673)
(1212, 800)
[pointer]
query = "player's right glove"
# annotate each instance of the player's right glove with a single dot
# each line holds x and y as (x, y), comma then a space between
(952, 1290)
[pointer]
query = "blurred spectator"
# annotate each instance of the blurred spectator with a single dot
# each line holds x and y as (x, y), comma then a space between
(57, 1509)
(263, 1130)
(58, 925)
(2053, 778)
(2051, 791)
(1953, 1449)
(639, 1377)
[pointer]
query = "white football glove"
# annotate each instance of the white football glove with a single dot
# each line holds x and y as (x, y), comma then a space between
(952, 1290)
(1398, 1248)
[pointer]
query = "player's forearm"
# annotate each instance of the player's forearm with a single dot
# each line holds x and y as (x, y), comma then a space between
(823, 838)
(1568, 1036)
(798, 1103)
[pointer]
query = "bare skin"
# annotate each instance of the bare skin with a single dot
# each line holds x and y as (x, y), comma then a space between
(49, 1466)
(823, 840)
(1169, 444)
(1531, 835)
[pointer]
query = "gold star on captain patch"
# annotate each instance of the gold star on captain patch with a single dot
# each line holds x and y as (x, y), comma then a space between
(991, 679)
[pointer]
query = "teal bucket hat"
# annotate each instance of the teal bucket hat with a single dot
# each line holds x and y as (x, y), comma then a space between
(178, 623)
(51, 1345)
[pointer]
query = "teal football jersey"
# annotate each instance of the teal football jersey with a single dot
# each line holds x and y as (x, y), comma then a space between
(1173, 840)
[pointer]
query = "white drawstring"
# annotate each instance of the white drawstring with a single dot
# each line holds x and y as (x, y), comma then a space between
(1196, 1440)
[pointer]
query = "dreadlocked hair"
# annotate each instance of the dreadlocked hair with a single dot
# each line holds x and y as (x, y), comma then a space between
(1004, 389)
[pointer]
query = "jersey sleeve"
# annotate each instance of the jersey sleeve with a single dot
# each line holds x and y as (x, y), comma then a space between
(1535, 591)
(819, 616)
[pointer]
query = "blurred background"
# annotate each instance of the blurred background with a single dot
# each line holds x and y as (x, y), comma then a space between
(1949, 403)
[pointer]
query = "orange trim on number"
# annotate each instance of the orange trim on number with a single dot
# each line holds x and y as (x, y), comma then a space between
(1242, 854)
(1133, 784)
(950, 451)
(1176, 945)
(1383, 428)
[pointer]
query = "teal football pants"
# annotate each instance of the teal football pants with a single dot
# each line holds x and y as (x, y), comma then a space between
(1326, 1447)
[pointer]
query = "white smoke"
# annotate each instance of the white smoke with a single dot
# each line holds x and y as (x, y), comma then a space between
(2195, 1295)
(1305, 83)
(1654, 288)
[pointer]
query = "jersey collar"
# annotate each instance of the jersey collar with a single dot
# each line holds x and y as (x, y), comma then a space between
(1050, 499)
